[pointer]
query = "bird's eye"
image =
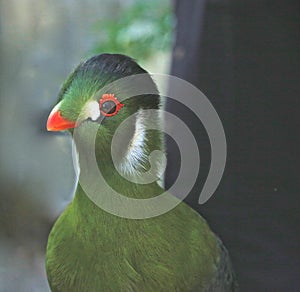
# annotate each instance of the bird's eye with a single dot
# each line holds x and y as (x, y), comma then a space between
(109, 105)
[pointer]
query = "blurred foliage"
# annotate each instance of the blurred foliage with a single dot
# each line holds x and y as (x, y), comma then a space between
(139, 30)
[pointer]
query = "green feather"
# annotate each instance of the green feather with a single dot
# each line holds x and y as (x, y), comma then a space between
(92, 250)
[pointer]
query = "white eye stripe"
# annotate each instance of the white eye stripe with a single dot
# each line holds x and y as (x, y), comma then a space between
(135, 153)
(132, 163)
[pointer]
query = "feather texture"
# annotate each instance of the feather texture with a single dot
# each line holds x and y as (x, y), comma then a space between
(92, 250)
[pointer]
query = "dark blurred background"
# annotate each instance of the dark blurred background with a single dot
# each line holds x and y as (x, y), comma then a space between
(244, 55)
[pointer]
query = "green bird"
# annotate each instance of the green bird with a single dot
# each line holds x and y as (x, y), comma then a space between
(92, 249)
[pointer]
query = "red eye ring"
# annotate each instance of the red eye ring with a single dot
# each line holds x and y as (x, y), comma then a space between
(109, 98)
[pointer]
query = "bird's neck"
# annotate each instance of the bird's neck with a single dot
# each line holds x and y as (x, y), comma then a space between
(130, 174)
(92, 208)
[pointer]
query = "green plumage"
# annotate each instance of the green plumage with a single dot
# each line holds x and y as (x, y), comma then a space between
(92, 250)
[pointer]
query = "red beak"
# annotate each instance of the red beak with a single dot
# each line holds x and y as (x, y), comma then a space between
(56, 122)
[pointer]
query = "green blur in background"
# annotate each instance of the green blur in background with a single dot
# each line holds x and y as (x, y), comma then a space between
(41, 42)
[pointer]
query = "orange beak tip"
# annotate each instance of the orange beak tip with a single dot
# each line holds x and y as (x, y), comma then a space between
(56, 122)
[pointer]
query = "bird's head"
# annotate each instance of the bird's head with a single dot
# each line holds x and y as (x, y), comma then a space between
(93, 94)
(90, 93)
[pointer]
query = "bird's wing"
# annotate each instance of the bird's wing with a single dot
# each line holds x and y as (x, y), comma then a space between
(225, 279)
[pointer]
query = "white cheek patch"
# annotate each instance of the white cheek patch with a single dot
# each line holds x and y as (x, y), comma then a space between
(91, 110)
